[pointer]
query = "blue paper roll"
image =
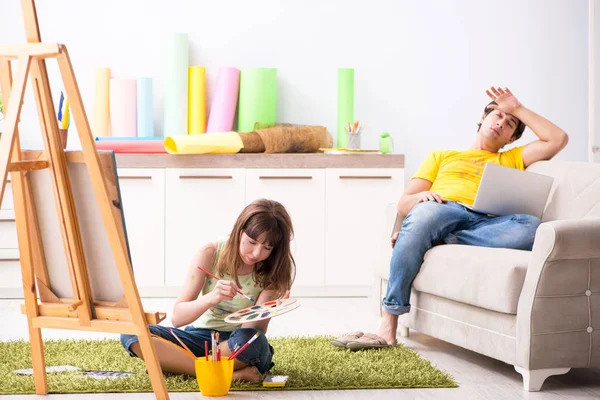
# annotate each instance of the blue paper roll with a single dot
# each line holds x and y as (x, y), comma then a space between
(145, 108)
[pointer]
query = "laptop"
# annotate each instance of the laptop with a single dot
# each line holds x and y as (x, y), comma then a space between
(505, 191)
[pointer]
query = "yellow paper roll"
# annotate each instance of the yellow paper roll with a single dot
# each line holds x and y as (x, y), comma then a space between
(208, 143)
(102, 103)
(196, 100)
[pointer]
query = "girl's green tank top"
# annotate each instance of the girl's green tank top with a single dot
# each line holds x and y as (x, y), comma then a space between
(214, 317)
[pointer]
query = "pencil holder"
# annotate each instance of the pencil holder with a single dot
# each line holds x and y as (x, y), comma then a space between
(64, 133)
(214, 377)
(354, 141)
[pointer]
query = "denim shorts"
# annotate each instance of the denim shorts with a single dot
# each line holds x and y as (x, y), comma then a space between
(258, 354)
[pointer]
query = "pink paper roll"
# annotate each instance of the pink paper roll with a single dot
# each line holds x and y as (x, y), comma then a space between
(225, 99)
(132, 146)
(123, 107)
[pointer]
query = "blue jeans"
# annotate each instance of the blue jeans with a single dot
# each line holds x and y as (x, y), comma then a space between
(430, 223)
(258, 354)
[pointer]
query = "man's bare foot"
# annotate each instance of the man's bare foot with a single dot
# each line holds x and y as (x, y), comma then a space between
(247, 374)
(388, 327)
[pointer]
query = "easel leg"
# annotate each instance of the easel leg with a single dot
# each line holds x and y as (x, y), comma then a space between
(153, 365)
(20, 187)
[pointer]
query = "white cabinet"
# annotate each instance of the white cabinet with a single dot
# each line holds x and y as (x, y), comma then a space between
(202, 206)
(143, 197)
(355, 203)
(302, 192)
(338, 216)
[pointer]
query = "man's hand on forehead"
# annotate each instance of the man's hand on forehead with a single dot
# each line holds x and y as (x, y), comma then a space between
(505, 100)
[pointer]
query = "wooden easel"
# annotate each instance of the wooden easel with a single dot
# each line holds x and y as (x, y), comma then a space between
(80, 312)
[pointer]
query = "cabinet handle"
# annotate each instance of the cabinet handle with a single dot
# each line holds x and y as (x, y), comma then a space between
(10, 259)
(364, 177)
(205, 177)
(285, 177)
(135, 177)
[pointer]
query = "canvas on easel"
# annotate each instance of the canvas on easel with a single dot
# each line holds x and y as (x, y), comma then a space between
(72, 239)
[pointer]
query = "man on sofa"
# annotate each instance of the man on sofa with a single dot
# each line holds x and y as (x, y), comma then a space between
(446, 177)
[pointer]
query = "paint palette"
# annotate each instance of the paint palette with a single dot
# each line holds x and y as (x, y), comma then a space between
(269, 309)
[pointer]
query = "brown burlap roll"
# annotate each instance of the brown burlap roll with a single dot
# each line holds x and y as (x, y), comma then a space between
(295, 139)
(252, 142)
(286, 138)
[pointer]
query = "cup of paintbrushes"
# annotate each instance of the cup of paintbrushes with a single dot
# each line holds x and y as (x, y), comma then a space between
(213, 376)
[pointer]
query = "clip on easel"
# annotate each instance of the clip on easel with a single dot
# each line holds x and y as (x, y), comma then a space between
(79, 303)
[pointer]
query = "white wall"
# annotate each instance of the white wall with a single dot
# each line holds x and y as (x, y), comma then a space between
(421, 67)
(597, 75)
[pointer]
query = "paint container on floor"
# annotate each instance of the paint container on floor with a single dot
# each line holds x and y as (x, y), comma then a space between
(214, 377)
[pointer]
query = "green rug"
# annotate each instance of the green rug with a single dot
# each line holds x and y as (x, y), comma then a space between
(310, 363)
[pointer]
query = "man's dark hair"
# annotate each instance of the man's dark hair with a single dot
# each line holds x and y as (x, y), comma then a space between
(518, 130)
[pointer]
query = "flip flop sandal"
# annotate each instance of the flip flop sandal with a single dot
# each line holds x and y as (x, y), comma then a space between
(368, 341)
(344, 340)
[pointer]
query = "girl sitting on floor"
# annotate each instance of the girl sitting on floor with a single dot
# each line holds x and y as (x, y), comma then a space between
(255, 259)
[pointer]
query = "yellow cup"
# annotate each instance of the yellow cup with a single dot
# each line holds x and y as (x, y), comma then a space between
(214, 377)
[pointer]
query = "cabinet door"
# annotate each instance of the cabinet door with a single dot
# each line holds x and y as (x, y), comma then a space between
(202, 206)
(302, 192)
(143, 196)
(7, 200)
(10, 270)
(355, 219)
(8, 230)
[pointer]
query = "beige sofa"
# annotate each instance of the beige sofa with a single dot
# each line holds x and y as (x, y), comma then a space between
(538, 310)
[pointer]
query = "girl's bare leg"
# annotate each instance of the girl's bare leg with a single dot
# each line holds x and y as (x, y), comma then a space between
(172, 358)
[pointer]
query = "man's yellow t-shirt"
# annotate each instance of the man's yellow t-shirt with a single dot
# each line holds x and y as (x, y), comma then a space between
(456, 174)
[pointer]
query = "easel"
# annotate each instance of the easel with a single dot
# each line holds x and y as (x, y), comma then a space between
(80, 312)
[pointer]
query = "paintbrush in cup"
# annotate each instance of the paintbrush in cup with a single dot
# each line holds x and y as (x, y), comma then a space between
(235, 354)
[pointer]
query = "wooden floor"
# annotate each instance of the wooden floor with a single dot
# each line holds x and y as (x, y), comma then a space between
(479, 377)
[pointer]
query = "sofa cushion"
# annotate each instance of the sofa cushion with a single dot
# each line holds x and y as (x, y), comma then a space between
(484, 277)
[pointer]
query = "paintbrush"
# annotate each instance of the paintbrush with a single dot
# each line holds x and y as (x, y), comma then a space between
(181, 343)
(217, 278)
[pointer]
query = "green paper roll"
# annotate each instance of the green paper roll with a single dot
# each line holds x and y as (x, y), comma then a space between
(345, 104)
(176, 86)
(258, 97)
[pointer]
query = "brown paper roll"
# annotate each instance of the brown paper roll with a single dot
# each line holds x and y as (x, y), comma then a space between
(252, 143)
(295, 139)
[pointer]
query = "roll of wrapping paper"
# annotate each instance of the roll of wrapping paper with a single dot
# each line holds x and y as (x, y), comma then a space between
(225, 100)
(123, 107)
(145, 108)
(102, 103)
(345, 104)
(196, 100)
(209, 143)
(132, 145)
(176, 86)
(258, 97)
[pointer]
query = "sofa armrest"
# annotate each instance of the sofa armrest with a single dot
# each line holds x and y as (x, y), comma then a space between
(553, 315)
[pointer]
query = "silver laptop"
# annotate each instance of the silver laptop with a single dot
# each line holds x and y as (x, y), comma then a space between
(505, 191)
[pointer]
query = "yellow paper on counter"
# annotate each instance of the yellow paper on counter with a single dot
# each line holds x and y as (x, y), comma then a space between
(204, 143)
